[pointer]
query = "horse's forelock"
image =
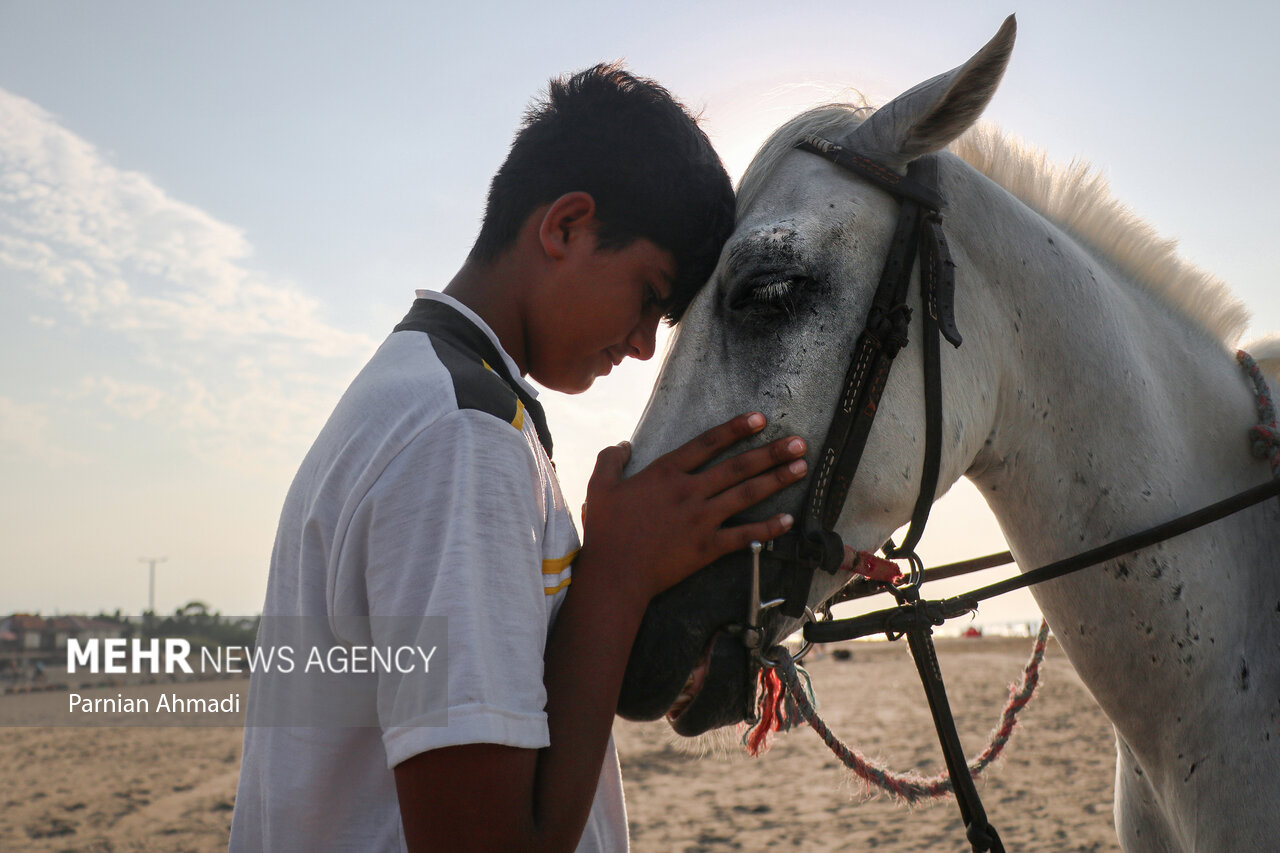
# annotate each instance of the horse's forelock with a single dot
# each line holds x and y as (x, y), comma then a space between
(831, 120)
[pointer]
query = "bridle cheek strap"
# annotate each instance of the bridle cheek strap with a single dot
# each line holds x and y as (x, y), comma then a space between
(918, 233)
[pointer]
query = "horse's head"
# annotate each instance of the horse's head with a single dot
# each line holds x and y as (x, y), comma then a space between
(774, 330)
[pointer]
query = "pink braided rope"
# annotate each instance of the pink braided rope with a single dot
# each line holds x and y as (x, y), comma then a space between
(909, 787)
(1266, 435)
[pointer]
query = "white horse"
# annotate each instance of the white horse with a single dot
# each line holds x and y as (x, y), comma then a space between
(1094, 396)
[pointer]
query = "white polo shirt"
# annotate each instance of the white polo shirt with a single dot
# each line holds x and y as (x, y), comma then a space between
(428, 497)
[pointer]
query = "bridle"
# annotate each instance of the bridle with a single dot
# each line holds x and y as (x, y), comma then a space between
(813, 545)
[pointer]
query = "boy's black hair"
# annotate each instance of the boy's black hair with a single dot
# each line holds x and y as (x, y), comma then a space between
(630, 145)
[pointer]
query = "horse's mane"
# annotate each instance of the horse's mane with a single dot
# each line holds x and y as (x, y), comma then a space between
(1077, 197)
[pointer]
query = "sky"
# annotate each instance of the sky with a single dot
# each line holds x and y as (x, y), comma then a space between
(211, 214)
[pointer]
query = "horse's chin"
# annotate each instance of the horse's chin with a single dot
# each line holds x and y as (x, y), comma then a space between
(715, 694)
(684, 666)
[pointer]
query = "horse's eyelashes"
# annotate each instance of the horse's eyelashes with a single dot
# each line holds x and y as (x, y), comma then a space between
(768, 297)
(773, 291)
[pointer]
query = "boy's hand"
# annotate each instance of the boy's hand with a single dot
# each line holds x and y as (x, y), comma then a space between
(659, 526)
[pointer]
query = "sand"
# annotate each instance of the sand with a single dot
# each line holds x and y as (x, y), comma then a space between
(172, 789)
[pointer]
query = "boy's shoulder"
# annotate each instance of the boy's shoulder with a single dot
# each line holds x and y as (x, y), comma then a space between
(474, 366)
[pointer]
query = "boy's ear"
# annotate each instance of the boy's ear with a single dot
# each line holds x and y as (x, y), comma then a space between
(570, 218)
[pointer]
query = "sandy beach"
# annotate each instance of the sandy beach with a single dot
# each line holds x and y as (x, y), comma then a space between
(172, 789)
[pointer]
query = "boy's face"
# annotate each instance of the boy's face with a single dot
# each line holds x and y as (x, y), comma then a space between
(601, 307)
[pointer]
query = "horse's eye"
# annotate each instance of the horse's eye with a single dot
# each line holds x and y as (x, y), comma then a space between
(768, 296)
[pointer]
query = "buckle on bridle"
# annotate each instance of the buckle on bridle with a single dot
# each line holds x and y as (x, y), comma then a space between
(909, 590)
(752, 632)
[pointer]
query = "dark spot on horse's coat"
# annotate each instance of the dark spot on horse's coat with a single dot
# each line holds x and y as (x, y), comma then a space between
(1194, 765)
(1244, 674)
(1051, 241)
(1122, 569)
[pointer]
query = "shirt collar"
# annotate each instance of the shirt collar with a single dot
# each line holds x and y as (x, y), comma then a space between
(512, 369)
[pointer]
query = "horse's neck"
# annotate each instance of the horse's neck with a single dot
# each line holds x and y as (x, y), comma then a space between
(1114, 413)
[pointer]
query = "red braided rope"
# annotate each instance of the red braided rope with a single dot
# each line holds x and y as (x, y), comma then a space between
(904, 787)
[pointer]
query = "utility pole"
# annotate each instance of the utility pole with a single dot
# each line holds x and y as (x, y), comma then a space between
(151, 597)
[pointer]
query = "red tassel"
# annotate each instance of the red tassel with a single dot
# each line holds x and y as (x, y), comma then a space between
(771, 698)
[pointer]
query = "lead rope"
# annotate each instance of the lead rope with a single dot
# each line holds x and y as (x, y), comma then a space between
(908, 788)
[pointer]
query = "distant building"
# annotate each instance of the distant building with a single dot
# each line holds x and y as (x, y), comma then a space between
(27, 630)
(36, 634)
(62, 628)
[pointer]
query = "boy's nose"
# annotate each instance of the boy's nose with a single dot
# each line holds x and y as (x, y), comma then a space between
(642, 341)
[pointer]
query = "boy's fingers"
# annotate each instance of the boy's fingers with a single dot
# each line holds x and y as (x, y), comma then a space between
(729, 539)
(609, 465)
(704, 448)
(749, 493)
(738, 468)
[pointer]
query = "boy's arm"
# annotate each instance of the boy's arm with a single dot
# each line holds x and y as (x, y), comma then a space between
(642, 535)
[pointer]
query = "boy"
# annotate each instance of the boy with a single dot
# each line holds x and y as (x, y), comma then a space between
(429, 499)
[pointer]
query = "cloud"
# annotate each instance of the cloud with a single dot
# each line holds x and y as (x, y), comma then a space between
(212, 344)
(24, 434)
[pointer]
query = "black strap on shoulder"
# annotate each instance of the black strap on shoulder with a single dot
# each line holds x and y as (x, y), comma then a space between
(441, 320)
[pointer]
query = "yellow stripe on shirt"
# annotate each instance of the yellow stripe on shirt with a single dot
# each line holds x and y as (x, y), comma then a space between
(558, 565)
(518, 420)
(552, 590)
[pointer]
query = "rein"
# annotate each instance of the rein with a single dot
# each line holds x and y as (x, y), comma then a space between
(814, 545)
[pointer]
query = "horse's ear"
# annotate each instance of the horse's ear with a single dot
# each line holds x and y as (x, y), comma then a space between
(928, 117)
